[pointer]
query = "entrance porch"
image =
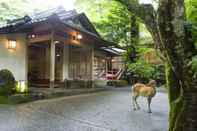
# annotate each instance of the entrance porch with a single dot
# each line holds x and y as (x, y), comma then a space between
(56, 56)
(67, 63)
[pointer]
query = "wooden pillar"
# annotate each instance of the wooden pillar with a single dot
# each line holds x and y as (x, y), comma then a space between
(26, 59)
(65, 62)
(52, 62)
(110, 64)
(106, 68)
(92, 66)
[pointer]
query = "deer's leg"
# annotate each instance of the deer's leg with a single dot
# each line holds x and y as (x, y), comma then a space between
(135, 104)
(133, 101)
(149, 102)
(138, 107)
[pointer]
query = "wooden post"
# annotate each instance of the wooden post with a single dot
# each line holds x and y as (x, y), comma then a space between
(52, 62)
(65, 72)
(26, 59)
(92, 66)
(106, 68)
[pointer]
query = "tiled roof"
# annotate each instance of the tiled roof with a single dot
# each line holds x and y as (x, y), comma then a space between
(65, 16)
(113, 50)
(60, 12)
(41, 16)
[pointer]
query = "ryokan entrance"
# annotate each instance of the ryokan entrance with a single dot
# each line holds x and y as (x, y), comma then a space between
(39, 64)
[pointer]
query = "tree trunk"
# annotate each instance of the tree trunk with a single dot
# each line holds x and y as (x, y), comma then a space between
(179, 75)
(183, 103)
(174, 95)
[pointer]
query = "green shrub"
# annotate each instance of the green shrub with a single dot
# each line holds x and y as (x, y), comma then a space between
(194, 66)
(7, 82)
(5, 100)
(143, 71)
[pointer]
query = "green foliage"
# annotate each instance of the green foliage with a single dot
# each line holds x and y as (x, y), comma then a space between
(142, 69)
(126, 55)
(111, 19)
(191, 11)
(20, 98)
(194, 66)
(7, 82)
(144, 50)
(12, 9)
(4, 100)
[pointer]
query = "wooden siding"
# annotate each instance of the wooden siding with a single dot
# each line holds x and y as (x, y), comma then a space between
(80, 63)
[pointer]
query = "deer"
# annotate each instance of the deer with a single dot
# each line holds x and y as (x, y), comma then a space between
(145, 90)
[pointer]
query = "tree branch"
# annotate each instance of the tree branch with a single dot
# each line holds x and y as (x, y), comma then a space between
(148, 15)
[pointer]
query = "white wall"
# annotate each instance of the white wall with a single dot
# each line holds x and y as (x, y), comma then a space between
(14, 60)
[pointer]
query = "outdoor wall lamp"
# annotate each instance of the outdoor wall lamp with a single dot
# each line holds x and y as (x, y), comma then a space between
(79, 36)
(113, 60)
(21, 87)
(56, 42)
(11, 44)
(32, 36)
(103, 60)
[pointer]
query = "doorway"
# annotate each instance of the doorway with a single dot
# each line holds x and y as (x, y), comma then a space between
(39, 64)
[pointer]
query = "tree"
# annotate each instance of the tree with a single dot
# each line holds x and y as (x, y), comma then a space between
(12, 9)
(173, 39)
(113, 21)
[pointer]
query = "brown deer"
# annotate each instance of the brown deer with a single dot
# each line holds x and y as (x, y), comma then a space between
(145, 90)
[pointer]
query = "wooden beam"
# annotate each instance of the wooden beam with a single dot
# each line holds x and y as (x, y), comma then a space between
(39, 39)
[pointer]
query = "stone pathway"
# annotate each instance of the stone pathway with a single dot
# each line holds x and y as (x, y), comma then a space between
(103, 111)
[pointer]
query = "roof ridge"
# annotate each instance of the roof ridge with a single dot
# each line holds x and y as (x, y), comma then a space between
(47, 10)
(53, 10)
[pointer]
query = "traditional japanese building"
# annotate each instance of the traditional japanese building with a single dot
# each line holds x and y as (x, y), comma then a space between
(47, 48)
